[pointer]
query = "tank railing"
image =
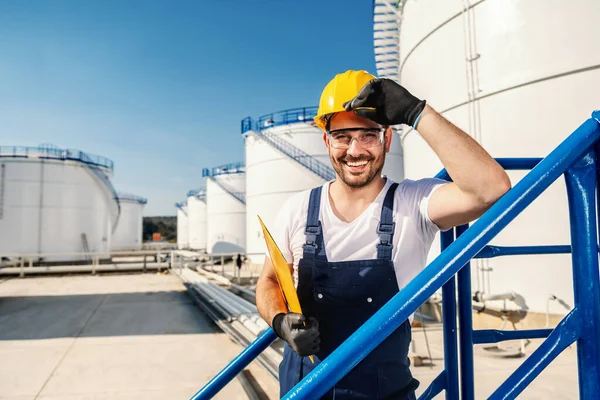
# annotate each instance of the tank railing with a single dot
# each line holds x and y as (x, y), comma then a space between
(321, 169)
(132, 197)
(240, 196)
(576, 158)
(226, 169)
(56, 154)
(285, 117)
(180, 204)
(198, 193)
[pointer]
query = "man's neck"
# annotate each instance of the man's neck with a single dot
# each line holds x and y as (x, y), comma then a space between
(348, 203)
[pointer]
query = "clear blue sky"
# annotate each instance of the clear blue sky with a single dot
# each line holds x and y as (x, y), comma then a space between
(160, 87)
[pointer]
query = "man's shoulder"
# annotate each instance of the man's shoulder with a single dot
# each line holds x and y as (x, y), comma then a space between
(297, 203)
(418, 186)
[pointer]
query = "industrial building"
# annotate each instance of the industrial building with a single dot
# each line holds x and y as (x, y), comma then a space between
(182, 225)
(196, 211)
(128, 235)
(56, 202)
(226, 208)
(507, 86)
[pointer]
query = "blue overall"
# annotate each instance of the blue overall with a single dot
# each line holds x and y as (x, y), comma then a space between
(342, 296)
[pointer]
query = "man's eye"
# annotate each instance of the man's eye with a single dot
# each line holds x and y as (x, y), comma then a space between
(371, 136)
(340, 138)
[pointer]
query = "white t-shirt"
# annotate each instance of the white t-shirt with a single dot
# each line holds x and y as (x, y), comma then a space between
(358, 239)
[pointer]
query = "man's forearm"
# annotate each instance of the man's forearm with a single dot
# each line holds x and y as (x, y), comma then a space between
(473, 170)
(269, 300)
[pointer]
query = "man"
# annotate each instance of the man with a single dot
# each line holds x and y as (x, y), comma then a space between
(354, 242)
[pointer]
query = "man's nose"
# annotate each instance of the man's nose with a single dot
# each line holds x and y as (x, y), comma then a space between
(355, 149)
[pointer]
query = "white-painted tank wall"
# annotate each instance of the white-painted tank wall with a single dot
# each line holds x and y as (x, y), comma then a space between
(534, 84)
(182, 227)
(197, 222)
(48, 204)
(128, 235)
(225, 215)
(272, 177)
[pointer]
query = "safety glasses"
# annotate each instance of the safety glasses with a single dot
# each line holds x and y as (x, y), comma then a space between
(366, 137)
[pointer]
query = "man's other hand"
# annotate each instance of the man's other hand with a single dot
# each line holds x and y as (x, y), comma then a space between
(300, 333)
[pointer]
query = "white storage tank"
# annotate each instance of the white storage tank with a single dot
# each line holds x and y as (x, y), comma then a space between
(182, 225)
(128, 235)
(196, 202)
(225, 208)
(56, 201)
(505, 73)
(286, 154)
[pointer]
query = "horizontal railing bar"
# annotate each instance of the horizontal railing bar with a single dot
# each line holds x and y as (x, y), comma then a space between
(566, 332)
(482, 336)
(500, 251)
(236, 365)
(439, 383)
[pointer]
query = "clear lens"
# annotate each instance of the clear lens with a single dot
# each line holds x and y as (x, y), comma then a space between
(366, 137)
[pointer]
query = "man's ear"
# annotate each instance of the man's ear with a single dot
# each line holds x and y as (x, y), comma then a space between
(325, 139)
(389, 132)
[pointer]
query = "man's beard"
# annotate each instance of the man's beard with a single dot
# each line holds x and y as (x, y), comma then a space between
(374, 168)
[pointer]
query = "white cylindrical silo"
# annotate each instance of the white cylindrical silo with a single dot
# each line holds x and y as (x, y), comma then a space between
(128, 235)
(286, 154)
(225, 208)
(182, 225)
(56, 201)
(503, 72)
(196, 202)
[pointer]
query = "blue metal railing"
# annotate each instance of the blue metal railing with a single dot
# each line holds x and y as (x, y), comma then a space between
(199, 193)
(132, 197)
(285, 117)
(56, 153)
(180, 205)
(226, 169)
(576, 157)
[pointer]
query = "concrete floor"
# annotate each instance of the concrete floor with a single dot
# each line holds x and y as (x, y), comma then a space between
(107, 337)
(140, 336)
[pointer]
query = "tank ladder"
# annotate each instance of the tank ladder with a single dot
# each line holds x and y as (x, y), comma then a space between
(577, 158)
(226, 170)
(86, 247)
(260, 129)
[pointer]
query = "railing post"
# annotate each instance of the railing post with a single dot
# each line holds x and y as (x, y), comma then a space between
(22, 274)
(449, 326)
(465, 326)
(581, 184)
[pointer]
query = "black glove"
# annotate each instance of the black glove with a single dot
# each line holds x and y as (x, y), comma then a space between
(387, 103)
(304, 340)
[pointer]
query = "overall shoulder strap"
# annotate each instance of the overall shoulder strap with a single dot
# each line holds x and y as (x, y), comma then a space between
(386, 226)
(313, 225)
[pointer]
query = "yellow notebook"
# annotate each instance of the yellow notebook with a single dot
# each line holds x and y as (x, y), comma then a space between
(284, 276)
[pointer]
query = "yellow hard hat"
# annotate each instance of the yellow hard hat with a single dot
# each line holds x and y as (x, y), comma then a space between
(342, 88)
